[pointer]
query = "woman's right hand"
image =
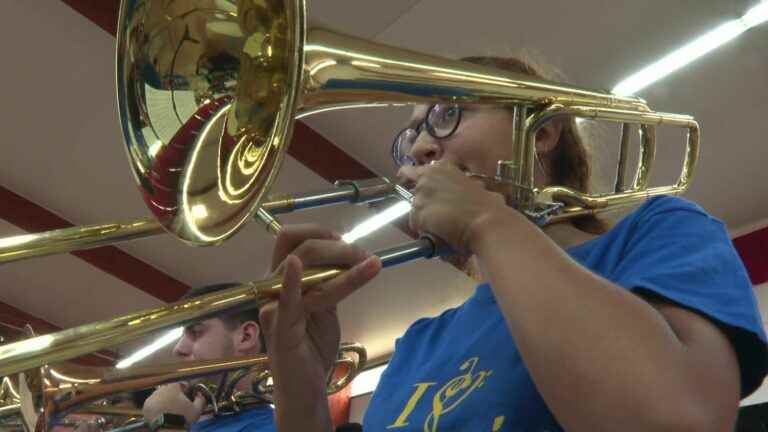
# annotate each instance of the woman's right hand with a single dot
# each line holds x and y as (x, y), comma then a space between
(302, 331)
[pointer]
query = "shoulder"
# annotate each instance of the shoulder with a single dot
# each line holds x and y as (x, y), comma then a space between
(427, 328)
(669, 205)
(427, 323)
(673, 217)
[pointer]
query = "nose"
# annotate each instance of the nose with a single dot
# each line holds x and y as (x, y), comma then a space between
(426, 149)
(183, 348)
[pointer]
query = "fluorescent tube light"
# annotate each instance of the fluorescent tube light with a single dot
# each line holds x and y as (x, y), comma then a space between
(377, 221)
(159, 343)
(692, 51)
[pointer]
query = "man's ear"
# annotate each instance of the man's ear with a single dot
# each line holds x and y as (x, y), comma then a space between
(548, 136)
(248, 340)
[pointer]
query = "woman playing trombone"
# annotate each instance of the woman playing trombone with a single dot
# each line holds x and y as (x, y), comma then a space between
(648, 326)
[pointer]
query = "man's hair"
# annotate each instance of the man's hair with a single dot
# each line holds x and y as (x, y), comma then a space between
(232, 320)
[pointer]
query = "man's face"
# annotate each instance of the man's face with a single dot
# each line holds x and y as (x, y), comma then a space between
(206, 340)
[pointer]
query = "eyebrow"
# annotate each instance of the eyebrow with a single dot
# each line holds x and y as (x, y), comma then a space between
(195, 326)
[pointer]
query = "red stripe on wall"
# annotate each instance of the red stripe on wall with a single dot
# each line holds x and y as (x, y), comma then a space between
(323, 157)
(103, 13)
(17, 318)
(33, 218)
(753, 249)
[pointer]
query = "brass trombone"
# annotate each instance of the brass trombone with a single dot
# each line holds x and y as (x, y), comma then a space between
(46, 395)
(207, 98)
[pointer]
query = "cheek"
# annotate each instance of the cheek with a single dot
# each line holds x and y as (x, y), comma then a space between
(479, 150)
(211, 348)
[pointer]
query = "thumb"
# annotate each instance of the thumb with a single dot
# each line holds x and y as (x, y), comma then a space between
(290, 307)
(199, 403)
(277, 316)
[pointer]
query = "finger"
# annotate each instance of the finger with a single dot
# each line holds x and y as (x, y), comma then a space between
(199, 403)
(169, 388)
(267, 316)
(314, 253)
(413, 219)
(408, 175)
(445, 164)
(291, 236)
(289, 309)
(332, 292)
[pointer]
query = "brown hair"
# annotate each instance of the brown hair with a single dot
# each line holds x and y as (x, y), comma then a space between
(569, 164)
(232, 319)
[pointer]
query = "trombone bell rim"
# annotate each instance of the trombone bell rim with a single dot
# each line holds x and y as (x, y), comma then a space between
(203, 168)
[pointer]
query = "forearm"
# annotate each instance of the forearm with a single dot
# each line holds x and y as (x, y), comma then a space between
(301, 403)
(602, 358)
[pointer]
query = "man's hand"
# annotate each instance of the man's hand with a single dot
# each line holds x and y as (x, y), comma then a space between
(172, 400)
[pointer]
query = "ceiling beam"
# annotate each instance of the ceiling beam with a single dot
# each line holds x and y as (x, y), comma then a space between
(103, 13)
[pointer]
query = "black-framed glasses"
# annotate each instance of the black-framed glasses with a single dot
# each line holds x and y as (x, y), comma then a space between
(441, 121)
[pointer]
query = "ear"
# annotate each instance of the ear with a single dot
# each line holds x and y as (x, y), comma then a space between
(247, 340)
(548, 136)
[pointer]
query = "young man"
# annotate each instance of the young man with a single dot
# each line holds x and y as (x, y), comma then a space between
(228, 335)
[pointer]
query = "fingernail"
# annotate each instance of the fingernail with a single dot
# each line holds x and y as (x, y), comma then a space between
(370, 262)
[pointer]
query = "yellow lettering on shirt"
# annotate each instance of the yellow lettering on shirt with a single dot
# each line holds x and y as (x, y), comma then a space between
(498, 422)
(454, 392)
(401, 421)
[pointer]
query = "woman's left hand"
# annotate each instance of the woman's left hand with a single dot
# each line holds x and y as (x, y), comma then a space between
(451, 205)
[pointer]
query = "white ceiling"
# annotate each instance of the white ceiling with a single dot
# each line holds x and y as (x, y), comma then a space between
(62, 148)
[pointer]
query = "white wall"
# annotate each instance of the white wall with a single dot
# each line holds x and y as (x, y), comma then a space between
(357, 406)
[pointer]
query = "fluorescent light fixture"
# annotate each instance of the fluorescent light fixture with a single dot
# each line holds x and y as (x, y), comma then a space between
(692, 51)
(756, 16)
(161, 342)
(367, 381)
(377, 221)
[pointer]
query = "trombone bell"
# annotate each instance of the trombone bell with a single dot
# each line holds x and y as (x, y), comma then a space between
(207, 98)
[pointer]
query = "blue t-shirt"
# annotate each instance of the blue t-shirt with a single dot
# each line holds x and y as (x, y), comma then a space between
(259, 419)
(461, 371)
